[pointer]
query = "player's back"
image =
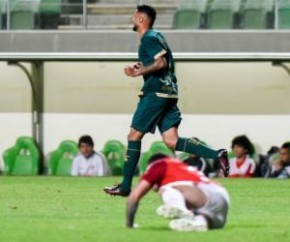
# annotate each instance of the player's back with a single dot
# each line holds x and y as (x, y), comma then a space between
(177, 171)
(171, 171)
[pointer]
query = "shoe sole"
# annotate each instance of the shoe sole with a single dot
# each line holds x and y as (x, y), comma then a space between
(224, 164)
(170, 212)
(187, 225)
(114, 193)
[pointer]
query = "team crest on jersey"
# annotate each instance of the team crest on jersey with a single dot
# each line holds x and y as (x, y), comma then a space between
(169, 84)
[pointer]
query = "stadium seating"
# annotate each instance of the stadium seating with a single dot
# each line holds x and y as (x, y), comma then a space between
(284, 14)
(2, 11)
(60, 161)
(156, 147)
(114, 152)
(23, 158)
(190, 14)
(256, 14)
(24, 13)
(50, 11)
(222, 14)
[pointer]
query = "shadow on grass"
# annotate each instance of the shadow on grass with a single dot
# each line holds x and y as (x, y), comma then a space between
(161, 228)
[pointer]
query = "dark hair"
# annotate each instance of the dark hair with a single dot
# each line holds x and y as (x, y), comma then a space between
(157, 156)
(286, 146)
(244, 142)
(86, 139)
(273, 150)
(149, 11)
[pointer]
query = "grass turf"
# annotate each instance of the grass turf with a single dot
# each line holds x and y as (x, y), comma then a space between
(75, 209)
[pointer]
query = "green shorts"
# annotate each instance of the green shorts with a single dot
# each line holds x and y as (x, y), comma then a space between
(153, 111)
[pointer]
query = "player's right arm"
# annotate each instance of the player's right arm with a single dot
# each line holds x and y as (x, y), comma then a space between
(132, 204)
(153, 176)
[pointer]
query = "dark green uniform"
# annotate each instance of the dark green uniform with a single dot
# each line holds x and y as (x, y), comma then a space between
(159, 94)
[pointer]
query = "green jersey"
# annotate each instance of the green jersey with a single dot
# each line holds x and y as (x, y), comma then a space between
(162, 82)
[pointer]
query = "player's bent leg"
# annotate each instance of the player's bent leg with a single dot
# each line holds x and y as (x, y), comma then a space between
(194, 146)
(174, 204)
(198, 223)
(170, 138)
(170, 212)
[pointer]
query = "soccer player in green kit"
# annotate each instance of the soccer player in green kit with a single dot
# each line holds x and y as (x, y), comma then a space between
(158, 102)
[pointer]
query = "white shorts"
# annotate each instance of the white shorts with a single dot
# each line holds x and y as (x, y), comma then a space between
(216, 207)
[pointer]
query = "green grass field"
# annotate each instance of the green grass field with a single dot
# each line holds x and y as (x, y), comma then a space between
(75, 209)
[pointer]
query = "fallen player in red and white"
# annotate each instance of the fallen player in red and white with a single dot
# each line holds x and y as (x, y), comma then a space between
(191, 200)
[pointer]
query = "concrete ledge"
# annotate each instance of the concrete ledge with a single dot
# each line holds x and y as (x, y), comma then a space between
(127, 41)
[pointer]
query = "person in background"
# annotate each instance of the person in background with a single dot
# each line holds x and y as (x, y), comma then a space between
(242, 164)
(281, 168)
(89, 162)
(271, 155)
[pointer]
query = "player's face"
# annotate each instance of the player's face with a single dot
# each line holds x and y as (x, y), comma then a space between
(86, 150)
(239, 151)
(285, 155)
(137, 20)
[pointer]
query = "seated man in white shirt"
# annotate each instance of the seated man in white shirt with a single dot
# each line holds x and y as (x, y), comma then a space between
(89, 162)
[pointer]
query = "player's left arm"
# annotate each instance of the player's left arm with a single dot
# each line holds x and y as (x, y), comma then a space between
(133, 201)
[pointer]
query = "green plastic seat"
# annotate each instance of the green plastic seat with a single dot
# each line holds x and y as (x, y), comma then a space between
(50, 11)
(222, 13)
(60, 162)
(50, 6)
(284, 14)
(156, 147)
(114, 151)
(23, 14)
(23, 158)
(255, 13)
(160, 147)
(189, 14)
(2, 12)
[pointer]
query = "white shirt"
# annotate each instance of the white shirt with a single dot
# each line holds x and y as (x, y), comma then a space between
(92, 166)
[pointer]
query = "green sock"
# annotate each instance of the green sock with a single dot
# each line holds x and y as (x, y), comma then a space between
(132, 158)
(193, 146)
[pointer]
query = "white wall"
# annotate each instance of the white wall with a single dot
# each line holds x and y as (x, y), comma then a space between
(216, 130)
